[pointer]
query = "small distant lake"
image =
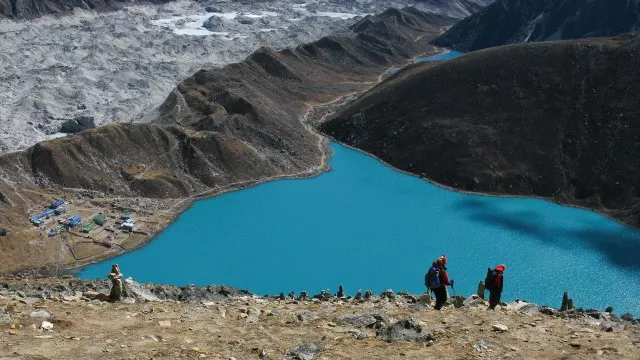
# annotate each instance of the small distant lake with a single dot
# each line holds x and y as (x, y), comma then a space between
(450, 54)
(446, 56)
(368, 226)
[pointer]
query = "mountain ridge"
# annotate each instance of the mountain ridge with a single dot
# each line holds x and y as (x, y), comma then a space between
(560, 130)
(513, 21)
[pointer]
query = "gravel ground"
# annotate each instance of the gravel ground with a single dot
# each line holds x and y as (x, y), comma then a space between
(117, 66)
(242, 326)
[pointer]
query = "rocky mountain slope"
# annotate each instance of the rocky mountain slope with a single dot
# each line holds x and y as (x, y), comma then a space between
(117, 66)
(31, 8)
(219, 322)
(220, 129)
(515, 21)
(554, 119)
(452, 8)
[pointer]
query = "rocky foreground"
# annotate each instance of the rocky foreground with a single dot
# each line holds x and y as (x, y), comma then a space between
(55, 318)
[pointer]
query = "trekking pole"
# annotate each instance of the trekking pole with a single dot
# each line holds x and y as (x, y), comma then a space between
(453, 289)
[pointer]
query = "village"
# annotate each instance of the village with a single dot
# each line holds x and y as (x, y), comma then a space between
(91, 231)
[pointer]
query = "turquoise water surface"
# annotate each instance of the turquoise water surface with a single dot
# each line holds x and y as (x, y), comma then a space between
(446, 56)
(368, 226)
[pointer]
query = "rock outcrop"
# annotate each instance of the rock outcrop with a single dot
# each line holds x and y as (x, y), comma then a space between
(516, 21)
(555, 120)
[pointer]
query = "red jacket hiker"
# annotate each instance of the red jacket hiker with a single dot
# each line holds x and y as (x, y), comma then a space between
(441, 292)
(494, 283)
(444, 277)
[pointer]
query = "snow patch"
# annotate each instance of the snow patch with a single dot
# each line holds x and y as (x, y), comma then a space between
(339, 15)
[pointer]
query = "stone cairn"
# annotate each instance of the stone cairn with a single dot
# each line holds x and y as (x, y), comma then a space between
(116, 283)
(481, 289)
(567, 303)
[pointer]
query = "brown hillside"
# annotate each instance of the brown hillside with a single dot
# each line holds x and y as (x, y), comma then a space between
(219, 130)
(557, 120)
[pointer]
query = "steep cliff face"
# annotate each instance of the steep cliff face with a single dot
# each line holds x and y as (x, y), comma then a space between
(515, 21)
(554, 119)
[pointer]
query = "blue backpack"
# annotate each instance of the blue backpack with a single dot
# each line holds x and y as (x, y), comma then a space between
(432, 278)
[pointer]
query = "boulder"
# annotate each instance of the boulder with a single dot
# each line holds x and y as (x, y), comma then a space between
(627, 317)
(3, 231)
(324, 295)
(530, 309)
(371, 320)
(481, 346)
(612, 326)
(215, 23)
(40, 314)
(473, 300)
(457, 301)
(359, 335)
(499, 327)
(209, 293)
(305, 351)
(405, 330)
(306, 316)
(213, 9)
(549, 311)
(77, 124)
(425, 298)
(5, 317)
(139, 292)
(75, 297)
(245, 20)
(388, 294)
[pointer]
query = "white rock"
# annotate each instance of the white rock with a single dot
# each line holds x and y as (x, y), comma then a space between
(164, 323)
(42, 314)
(499, 327)
(46, 326)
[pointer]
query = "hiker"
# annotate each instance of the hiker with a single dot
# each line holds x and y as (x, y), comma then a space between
(116, 283)
(437, 280)
(493, 283)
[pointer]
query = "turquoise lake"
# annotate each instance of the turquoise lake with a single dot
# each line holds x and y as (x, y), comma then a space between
(446, 56)
(368, 226)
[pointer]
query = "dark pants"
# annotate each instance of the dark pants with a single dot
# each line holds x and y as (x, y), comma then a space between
(441, 297)
(494, 299)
